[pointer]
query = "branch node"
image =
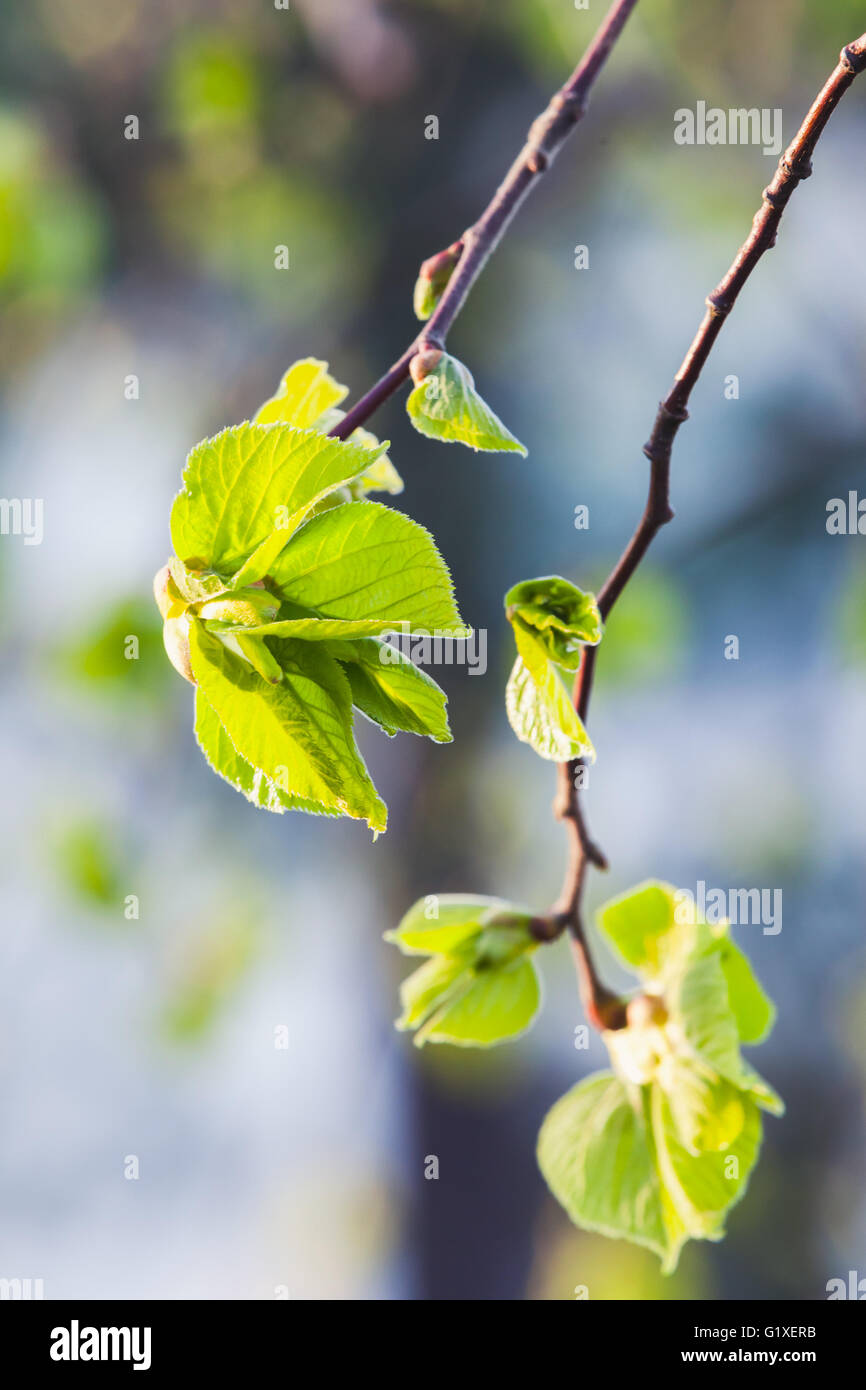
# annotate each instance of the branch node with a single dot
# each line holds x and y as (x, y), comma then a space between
(546, 929)
(672, 416)
(800, 167)
(718, 306)
(853, 59)
(425, 360)
(565, 101)
(673, 411)
(661, 514)
(537, 162)
(774, 199)
(431, 342)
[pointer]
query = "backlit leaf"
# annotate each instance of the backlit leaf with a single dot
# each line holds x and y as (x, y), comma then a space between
(447, 406)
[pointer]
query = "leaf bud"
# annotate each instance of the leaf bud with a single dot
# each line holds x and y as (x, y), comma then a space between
(646, 1011)
(175, 636)
(423, 363)
(433, 278)
(248, 608)
(168, 598)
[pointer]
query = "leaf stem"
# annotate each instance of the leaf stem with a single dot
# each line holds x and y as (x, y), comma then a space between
(794, 166)
(546, 136)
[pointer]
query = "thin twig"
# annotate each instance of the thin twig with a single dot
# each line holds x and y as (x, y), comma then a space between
(794, 166)
(546, 137)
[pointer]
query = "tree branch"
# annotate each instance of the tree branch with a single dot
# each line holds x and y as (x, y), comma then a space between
(546, 137)
(794, 166)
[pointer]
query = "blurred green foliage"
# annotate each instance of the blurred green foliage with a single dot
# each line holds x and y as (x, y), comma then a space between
(211, 87)
(221, 198)
(252, 135)
(121, 654)
(647, 633)
(849, 615)
(90, 864)
(52, 236)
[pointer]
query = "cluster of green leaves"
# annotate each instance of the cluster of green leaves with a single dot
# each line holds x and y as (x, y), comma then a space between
(479, 985)
(552, 621)
(285, 580)
(657, 1150)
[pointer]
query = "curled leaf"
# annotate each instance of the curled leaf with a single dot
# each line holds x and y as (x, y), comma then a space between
(478, 988)
(445, 405)
(552, 621)
(563, 618)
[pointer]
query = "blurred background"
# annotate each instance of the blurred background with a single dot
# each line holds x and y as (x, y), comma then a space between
(162, 939)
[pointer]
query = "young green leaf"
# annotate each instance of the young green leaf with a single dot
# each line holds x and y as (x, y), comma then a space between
(314, 629)
(708, 1112)
(613, 1156)
(696, 993)
(246, 491)
(479, 988)
(297, 733)
(758, 1090)
(429, 988)
(754, 1011)
(701, 1187)
(391, 690)
(637, 922)
(542, 715)
(381, 476)
(532, 652)
(551, 620)
(562, 617)
(308, 398)
(176, 590)
(240, 608)
(494, 1007)
(446, 922)
(707, 1013)
(695, 1124)
(225, 760)
(595, 1156)
(362, 560)
(446, 406)
(305, 394)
